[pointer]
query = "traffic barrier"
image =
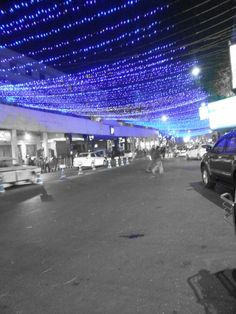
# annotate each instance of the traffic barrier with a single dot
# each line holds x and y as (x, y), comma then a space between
(117, 161)
(127, 160)
(122, 161)
(109, 163)
(62, 172)
(93, 165)
(80, 169)
(2, 189)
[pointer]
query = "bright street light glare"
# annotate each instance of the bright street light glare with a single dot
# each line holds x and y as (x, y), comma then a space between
(27, 136)
(164, 118)
(196, 71)
(186, 139)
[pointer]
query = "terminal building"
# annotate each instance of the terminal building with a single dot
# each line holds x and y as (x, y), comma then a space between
(28, 132)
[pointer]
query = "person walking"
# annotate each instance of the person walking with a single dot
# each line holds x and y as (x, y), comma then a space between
(157, 162)
(151, 161)
(163, 152)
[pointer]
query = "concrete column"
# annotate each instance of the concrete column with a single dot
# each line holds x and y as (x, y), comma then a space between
(14, 149)
(45, 144)
(86, 146)
(126, 144)
(132, 144)
(145, 143)
(23, 150)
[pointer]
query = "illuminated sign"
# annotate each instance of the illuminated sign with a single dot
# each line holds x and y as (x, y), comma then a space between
(203, 112)
(232, 50)
(5, 136)
(222, 113)
(112, 130)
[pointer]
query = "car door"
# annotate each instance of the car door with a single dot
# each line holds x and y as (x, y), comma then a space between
(93, 159)
(216, 160)
(229, 158)
(98, 160)
(202, 150)
(83, 159)
(194, 152)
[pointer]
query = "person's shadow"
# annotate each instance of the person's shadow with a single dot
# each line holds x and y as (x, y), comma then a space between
(45, 197)
(216, 292)
(18, 194)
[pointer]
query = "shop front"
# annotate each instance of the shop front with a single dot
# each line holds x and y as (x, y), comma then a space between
(5, 144)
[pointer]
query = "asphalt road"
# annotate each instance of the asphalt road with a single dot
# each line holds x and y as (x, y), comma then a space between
(117, 241)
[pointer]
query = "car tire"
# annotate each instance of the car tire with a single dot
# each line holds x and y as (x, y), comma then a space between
(206, 178)
(104, 163)
(187, 157)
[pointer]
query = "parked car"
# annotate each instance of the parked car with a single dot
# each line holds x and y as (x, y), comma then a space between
(219, 163)
(102, 152)
(196, 152)
(88, 159)
(129, 154)
(180, 151)
(12, 174)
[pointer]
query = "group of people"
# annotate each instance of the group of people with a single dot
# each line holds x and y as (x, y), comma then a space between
(155, 161)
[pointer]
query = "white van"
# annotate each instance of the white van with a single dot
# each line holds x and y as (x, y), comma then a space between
(103, 152)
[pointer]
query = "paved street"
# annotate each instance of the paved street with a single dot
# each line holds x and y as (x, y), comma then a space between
(117, 241)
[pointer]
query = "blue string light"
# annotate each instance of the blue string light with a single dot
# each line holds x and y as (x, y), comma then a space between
(138, 89)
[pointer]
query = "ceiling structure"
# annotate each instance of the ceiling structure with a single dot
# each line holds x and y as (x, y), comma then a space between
(127, 60)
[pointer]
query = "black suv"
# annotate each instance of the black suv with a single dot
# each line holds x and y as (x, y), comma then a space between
(219, 163)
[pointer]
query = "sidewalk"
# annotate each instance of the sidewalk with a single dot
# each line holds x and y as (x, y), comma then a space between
(68, 172)
(73, 172)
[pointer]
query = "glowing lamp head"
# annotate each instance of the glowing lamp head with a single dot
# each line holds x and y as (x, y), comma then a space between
(27, 136)
(196, 71)
(186, 139)
(164, 118)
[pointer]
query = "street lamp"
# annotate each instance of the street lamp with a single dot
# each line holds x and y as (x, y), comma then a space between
(196, 71)
(164, 118)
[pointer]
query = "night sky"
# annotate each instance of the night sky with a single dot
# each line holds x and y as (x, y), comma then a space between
(205, 27)
(100, 42)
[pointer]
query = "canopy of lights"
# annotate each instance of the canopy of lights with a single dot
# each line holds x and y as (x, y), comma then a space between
(122, 60)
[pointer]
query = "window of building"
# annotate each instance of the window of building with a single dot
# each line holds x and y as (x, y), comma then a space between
(31, 150)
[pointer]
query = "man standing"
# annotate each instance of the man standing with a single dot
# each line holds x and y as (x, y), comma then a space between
(157, 161)
(151, 162)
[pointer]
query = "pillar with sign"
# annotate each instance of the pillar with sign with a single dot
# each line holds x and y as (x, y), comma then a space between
(14, 149)
(45, 144)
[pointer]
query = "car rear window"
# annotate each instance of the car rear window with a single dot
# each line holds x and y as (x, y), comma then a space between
(83, 155)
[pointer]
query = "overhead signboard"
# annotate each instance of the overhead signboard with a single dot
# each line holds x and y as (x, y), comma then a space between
(232, 50)
(5, 136)
(203, 112)
(222, 113)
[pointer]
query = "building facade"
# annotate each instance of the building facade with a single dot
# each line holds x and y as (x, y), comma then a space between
(27, 132)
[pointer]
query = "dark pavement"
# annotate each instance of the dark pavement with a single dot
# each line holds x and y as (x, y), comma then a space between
(117, 241)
